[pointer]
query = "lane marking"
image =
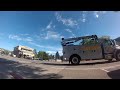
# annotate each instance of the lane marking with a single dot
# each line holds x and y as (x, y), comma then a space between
(105, 70)
(79, 68)
(110, 66)
(74, 68)
(58, 67)
(82, 68)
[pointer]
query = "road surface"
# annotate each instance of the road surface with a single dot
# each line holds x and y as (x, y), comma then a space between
(17, 68)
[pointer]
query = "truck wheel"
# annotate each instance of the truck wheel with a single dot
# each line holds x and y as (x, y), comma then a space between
(75, 60)
(118, 55)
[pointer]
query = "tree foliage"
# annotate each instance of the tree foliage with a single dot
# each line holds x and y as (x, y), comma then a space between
(43, 55)
(51, 56)
(5, 52)
(35, 52)
(57, 56)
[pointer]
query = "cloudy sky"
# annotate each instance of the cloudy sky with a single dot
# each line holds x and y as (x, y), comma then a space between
(43, 30)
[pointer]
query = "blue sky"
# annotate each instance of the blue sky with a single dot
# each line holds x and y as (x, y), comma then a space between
(43, 30)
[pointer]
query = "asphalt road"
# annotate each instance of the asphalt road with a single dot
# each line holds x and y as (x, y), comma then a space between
(17, 68)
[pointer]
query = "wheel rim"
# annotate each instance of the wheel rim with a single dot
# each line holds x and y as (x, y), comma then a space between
(75, 60)
(118, 56)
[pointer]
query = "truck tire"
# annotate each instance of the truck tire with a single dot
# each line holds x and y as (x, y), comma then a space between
(75, 60)
(118, 55)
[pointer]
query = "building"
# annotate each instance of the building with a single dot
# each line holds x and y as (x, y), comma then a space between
(23, 51)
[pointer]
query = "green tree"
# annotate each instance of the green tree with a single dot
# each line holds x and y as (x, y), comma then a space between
(57, 56)
(35, 52)
(51, 56)
(46, 56)
(5, 52)
(61, 57)
(43, 55)
(105, 37)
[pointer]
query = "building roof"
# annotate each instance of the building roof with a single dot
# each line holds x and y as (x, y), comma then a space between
(26, 47)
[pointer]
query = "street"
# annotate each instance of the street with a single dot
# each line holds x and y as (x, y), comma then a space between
(18, 68)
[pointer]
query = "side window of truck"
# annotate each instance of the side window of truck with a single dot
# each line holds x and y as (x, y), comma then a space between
(90, 42)
(107, 42)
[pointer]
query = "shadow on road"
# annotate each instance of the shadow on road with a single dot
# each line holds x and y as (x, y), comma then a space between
(7, 66)
(86, 63)
(114, 74)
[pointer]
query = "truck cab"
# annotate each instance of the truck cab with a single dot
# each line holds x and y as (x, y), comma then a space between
(89, 48)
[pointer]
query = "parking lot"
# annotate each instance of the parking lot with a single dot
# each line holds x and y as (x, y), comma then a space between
(18, 68)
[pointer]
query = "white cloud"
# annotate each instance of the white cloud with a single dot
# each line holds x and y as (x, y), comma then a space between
(51, 52)
(62, 37)
(96, 14)
(68, 30)
(86, 34)
(36, 45)
(73, 35)
(84, 16)
(103, 12)
(49, 25)
(29, 39)
(83, 20)
(49, 35)
(18, 38)
(68, 22)
(52, 35)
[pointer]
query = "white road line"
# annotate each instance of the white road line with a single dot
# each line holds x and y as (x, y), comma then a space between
(58, 67)
(73, 68)
(102, 68)
(111, 66)
(82, 68)
(105, 70)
